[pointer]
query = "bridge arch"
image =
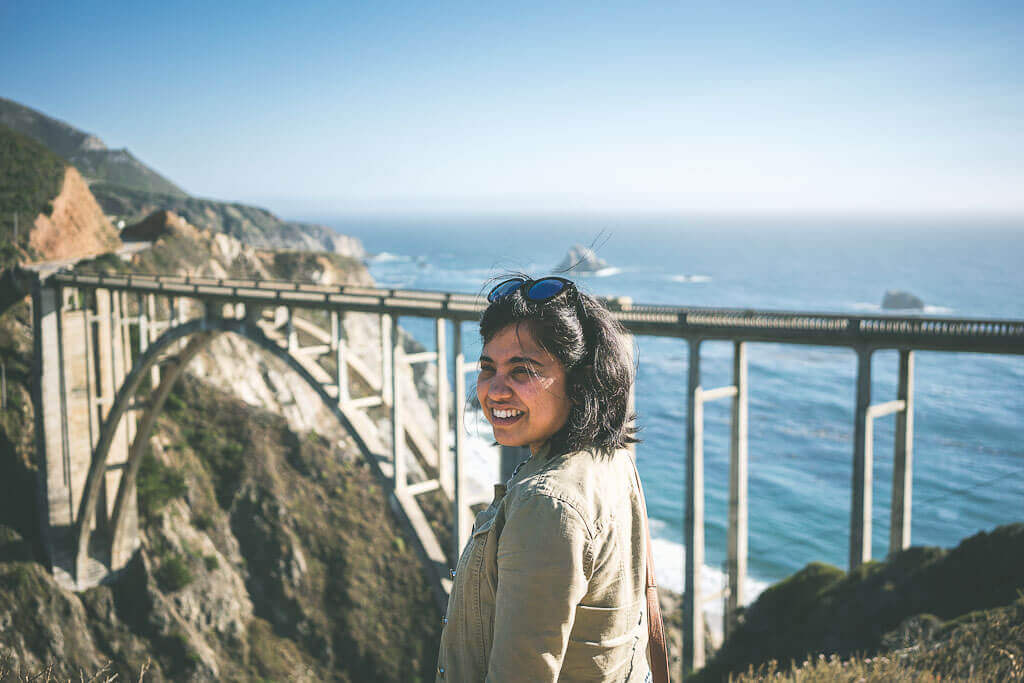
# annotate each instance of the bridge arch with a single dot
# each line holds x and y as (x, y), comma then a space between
(200, 332)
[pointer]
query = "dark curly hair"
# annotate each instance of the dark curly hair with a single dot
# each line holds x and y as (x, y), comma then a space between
(580, 332)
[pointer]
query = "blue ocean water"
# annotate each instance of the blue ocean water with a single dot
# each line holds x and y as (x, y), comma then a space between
(969, 413)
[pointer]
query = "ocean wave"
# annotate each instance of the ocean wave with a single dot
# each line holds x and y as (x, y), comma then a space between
(387, 257)
(690, 279)
(877, 308)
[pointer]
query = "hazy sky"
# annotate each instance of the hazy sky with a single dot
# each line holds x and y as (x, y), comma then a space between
(862, 107)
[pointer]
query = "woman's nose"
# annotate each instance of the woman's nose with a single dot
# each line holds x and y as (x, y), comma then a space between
(498, 387)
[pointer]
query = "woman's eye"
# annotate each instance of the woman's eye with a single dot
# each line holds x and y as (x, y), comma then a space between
(486, 370)
(520, 372)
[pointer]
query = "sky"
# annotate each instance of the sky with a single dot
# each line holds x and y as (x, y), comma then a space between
(892, 108)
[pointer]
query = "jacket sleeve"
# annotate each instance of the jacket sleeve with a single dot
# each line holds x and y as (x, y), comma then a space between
(542, 576)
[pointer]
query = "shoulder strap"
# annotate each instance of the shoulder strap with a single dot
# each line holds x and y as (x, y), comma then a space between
(655, 626)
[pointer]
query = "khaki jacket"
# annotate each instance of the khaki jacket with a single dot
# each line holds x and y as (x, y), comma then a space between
(551, 584)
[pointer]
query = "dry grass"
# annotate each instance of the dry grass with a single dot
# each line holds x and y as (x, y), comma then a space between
(981, 646)
(10, 671)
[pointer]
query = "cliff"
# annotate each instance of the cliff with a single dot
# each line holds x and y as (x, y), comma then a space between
(76, 226)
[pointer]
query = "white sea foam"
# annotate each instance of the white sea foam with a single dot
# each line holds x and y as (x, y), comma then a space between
(387, 257)
(928, 309)
(605, 272)
(690, 279)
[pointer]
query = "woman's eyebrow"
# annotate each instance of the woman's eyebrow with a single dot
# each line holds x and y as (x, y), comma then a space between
(513, 359)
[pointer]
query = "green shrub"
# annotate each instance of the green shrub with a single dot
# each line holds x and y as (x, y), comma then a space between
(174, 574)
(157, 484)
(211, 562)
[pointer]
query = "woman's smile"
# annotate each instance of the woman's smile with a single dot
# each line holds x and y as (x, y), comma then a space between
(522, 389)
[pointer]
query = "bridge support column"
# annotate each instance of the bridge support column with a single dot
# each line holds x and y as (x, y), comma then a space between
(291, 337)
(903, 457)
(338, 345)
(397, 428)
(460, 516)
(737, 552)
(386, 368)
(443, 457)
(57, 508)
(693, 621)
(863, 462)
(151, 335)
(119, 353)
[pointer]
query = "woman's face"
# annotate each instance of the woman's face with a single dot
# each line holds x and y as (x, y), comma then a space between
(522, 389)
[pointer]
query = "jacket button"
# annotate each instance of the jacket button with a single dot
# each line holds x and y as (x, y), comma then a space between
(451, 572)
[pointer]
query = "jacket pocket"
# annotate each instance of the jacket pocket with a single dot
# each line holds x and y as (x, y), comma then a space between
(608, 626)
(601, 642)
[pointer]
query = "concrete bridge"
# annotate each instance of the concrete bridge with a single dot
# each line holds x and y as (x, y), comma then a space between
(99, 338)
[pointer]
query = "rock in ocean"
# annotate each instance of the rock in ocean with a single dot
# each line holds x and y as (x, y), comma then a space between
(899, 299)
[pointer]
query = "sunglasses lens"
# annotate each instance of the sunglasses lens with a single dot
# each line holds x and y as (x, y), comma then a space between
(544, 289)
(502, 290)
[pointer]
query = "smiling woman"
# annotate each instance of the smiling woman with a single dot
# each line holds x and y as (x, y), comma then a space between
(522, 389)
(552, 584)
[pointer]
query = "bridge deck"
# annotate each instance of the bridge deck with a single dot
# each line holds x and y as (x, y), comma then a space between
(923, 333)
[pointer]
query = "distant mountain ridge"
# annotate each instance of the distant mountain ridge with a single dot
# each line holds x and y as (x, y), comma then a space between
(129, 190)
(85, 151)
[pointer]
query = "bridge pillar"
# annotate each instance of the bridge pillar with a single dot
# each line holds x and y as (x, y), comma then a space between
(693, 621)
(460, 517)
(863, 463)
(443, 457)
(398, 449)
(339, 346)
(151, 335)
(737, 551)
(386, 368)
(57, 508)
(903, 457)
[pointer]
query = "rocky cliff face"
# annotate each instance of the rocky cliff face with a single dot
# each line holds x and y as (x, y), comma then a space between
(251, 225)
(76, 227)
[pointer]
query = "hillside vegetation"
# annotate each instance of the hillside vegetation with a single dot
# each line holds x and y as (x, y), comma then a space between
(84, 151)
(30, 179)
(927, 609)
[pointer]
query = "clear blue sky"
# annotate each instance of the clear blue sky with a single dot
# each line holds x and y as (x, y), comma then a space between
(849, 107)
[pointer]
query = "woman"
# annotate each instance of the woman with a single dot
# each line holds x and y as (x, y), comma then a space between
(551, 585)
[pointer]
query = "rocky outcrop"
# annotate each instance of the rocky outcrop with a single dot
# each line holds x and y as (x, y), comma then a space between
(581, 260)
(897, 299)
(250, 225)
(76, 227)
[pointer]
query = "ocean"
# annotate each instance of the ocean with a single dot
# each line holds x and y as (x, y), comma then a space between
(969, 408)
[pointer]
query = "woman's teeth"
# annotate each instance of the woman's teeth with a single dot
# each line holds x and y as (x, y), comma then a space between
(505, 414)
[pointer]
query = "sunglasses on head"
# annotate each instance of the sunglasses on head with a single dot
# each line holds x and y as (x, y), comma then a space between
(537, 291)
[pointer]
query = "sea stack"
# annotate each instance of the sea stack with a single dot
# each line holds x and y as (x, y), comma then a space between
(581, 260)
(897, 299)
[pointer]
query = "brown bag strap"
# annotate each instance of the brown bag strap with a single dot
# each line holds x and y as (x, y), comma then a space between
(655, 626)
